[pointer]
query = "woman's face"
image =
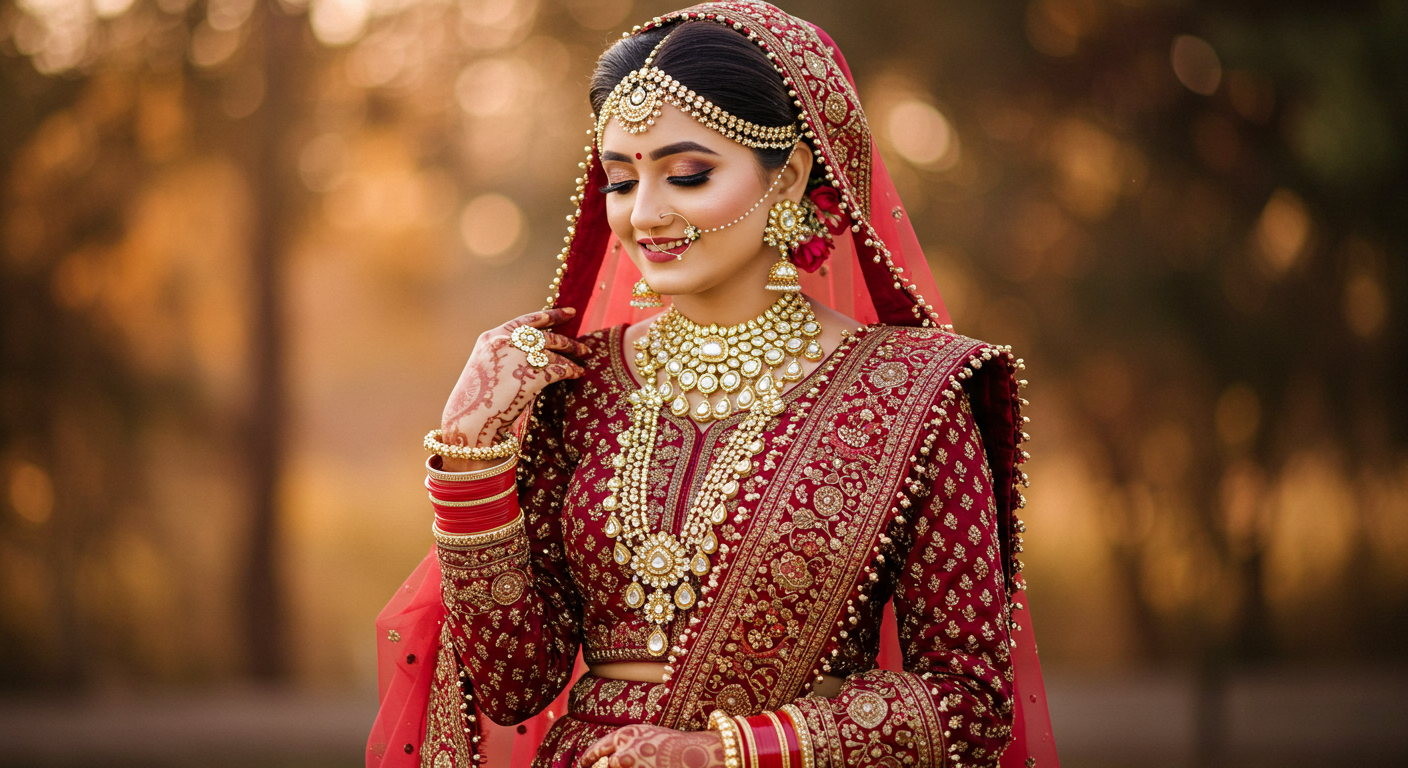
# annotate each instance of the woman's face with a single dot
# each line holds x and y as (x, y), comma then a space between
(680, 166)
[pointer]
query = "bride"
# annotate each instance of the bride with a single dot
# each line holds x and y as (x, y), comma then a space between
(716, 502)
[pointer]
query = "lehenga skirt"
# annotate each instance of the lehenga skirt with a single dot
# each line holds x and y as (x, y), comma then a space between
(595, 707)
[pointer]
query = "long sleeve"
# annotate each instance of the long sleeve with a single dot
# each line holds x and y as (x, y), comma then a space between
(514, 614)
(952, 704)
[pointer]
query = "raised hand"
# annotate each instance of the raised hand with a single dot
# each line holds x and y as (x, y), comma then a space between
(498, 383)
(650, 746)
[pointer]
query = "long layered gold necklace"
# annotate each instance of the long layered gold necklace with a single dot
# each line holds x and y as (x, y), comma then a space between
(749, 364)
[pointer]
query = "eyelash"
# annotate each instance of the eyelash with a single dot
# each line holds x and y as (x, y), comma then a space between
(693, 180)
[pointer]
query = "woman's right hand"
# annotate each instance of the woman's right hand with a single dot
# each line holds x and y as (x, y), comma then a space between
(498, 384)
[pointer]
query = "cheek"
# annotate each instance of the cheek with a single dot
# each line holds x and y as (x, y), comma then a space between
(618, 217)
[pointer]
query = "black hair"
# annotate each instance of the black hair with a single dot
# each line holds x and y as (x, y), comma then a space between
(715, 62)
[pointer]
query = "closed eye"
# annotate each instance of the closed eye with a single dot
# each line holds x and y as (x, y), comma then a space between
(620, 186)
(692, 180)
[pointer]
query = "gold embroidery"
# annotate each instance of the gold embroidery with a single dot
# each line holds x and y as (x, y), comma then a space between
(868, 709)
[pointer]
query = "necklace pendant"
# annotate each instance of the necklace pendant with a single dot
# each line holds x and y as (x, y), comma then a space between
(635, 596)
(612, 527)
(746, 399)
(657, 642)
(685, 597)
(680, 406)
(621, 554)
(659, 608)
(720, 512)
(709, 544)
(702, 412)
(699, 565)
(792, 372)
(723, 408)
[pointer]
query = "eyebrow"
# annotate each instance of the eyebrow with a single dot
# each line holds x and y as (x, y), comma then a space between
(665, 151)
(680, 146)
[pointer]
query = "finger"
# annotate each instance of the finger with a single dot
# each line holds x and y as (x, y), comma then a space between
(559, 368)
(560, 343)
(542, 319)
(602, 747)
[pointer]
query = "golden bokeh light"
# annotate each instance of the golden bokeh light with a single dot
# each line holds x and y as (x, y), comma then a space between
(339, 22)
(922, 135)
(31, 492)
(491, 226)
(1282, 231)
(1196, 64)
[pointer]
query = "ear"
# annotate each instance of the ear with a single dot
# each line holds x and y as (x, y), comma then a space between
(796, 173)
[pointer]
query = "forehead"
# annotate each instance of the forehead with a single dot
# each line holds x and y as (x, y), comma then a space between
(670, 127)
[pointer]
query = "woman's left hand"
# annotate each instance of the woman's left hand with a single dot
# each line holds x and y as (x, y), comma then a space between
(650, 746)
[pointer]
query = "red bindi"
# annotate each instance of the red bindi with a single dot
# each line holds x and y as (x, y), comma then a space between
(637, 155)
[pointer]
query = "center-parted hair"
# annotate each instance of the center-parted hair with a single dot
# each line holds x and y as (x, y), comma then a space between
(714, 61)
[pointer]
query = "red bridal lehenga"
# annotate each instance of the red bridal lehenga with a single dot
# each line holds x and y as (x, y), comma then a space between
(888, 482)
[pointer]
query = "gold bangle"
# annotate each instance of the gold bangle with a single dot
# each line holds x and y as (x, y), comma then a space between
(478, 540)
(473, 502)
(501, 450)
(728, 733)
(781, 740)
(804, 736)
(469, 477)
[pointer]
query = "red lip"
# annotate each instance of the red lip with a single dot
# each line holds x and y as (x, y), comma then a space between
(662, 249)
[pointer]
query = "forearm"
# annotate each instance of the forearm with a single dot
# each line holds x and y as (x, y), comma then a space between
(512, 627)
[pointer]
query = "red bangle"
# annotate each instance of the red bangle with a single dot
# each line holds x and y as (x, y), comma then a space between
(475, 519)
(770, 753)
(789, 731)
(469, 490)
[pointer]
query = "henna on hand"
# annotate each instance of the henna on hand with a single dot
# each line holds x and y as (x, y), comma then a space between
(498, 384)
(650, 746)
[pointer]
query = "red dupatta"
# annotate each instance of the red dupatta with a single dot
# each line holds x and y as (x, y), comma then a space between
(876, 274)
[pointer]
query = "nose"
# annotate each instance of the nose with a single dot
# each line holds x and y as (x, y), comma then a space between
(649, 211)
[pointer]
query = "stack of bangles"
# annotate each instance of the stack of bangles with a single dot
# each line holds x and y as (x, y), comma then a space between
(471, 502)
(768, 740)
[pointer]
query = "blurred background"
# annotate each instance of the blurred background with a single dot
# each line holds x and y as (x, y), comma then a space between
(247, 245)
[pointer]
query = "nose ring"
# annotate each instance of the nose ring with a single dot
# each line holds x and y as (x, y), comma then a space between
(691, 232)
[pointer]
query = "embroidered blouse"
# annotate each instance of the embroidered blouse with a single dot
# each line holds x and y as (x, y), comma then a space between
(875, 484)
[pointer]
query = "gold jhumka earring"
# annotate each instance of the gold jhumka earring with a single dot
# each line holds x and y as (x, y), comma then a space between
(789, 225)
(642, 297)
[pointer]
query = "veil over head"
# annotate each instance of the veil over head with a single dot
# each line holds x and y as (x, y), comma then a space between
(876, 273)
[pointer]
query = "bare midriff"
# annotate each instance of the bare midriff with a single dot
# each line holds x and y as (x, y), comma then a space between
(654, 672)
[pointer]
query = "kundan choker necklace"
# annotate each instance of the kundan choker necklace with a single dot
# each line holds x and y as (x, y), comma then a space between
(740, 362)
(750, 359)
